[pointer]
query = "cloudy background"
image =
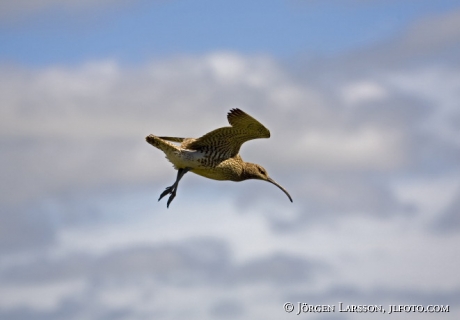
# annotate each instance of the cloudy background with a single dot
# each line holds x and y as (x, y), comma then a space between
(362, 100)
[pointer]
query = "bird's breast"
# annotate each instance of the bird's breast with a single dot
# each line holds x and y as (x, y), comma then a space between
(225, 170)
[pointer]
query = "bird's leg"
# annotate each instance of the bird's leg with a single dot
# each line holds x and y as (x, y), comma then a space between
(172, 189)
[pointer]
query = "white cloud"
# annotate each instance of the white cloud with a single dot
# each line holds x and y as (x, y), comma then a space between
(363, 91)
(440, 88)
(41, 297)
(76, 128)
(364, 148)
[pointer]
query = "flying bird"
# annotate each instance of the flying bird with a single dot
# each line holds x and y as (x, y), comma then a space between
(216, 154)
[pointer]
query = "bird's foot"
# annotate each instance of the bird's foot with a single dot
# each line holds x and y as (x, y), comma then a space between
(169, 190)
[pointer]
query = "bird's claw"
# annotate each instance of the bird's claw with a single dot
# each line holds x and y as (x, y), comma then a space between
(169, 190)
(171, 197)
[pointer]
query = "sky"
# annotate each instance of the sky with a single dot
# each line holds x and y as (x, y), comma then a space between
(362, 102)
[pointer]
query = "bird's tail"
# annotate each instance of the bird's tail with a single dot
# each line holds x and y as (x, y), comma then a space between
(160, 143)
(173, 139)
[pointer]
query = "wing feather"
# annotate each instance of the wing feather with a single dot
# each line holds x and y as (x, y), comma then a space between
(226, 142)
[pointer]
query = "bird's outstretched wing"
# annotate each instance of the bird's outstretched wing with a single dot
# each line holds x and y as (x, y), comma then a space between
(224, 143)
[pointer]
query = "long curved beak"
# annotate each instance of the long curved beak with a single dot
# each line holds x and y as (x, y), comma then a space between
(276, 184)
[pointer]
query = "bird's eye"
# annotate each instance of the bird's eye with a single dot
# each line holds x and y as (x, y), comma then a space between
(262, 171)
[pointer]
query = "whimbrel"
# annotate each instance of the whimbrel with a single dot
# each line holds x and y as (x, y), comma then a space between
(216, 154)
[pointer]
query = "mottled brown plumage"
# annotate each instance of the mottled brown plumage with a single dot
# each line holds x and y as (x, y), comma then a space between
(216, 154)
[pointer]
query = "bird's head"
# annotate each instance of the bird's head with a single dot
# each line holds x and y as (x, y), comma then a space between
(255, 171)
